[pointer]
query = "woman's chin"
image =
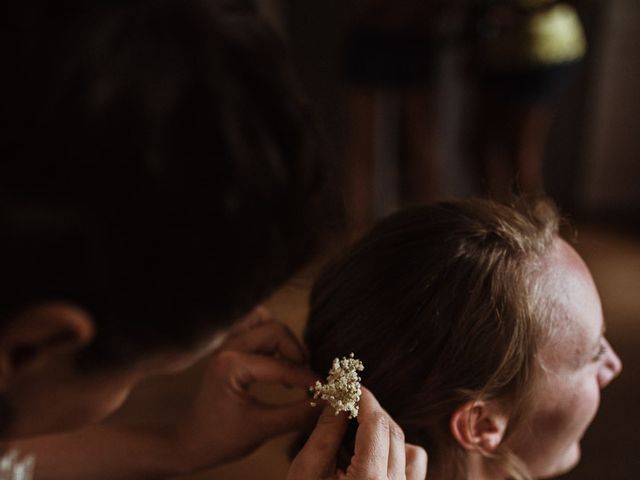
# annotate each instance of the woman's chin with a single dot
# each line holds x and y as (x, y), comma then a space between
(564, 464)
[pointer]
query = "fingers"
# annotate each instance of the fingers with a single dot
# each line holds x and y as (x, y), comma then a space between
(371, 456)
(380, 445)
(416, 462)
(380, 451)
(267, 337)
(397, 453)
(317, 459)
(244, 369)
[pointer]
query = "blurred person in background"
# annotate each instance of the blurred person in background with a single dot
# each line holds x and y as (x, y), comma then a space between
(522, 56)
(524, 53)
(390, 69)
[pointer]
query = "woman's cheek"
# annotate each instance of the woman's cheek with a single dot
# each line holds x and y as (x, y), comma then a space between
(552, 442)
(581, 408)
(591, 400)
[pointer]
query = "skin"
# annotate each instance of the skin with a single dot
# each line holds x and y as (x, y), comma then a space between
(576, 363)
(71, 399)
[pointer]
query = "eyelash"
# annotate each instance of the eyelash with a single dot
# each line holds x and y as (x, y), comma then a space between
(601, 351)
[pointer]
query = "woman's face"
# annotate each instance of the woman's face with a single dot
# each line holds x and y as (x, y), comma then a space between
(575, 364)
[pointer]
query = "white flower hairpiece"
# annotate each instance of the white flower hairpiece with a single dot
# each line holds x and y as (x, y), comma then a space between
(342, 389)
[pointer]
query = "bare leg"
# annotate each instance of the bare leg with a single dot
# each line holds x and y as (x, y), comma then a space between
(532, 125)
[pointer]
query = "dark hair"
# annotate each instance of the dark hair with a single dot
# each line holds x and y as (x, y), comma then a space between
(441, 305)
(162, 168)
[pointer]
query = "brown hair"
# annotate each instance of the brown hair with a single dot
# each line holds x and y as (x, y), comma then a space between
(441, 304)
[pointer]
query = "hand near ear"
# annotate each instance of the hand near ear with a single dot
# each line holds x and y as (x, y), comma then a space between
(380, 450)
(227, 421)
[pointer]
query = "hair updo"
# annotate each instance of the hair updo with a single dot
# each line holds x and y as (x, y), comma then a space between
(441, 304)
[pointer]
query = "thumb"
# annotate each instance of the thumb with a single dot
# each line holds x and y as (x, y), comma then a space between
(317, 459)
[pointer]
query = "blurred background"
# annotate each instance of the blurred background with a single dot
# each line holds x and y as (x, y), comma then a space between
(421, 100)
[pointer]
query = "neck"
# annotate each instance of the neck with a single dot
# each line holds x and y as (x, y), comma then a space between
(478, 469)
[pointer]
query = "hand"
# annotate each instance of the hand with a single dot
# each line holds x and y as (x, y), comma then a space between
(226, 421)
(380, 450)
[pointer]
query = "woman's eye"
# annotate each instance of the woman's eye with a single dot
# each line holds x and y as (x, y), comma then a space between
(601, 351)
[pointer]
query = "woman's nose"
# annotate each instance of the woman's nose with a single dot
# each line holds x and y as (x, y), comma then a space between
(611, 368)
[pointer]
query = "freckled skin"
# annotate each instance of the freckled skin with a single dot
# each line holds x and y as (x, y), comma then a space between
(575, 365)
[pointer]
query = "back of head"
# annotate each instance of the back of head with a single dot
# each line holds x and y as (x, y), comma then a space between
(440, 304)
(160, 168)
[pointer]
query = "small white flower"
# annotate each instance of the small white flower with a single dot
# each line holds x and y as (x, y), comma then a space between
(342, 389)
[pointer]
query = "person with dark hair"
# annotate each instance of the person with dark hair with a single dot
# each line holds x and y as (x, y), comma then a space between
(481, 333)
(159, 177)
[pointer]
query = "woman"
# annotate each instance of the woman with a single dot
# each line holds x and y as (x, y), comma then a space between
(481, 332)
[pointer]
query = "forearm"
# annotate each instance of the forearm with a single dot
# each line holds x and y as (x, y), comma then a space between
(108, 452)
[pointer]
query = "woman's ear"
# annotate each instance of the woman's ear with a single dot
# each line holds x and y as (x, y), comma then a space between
(37, 335)
(479, 426)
